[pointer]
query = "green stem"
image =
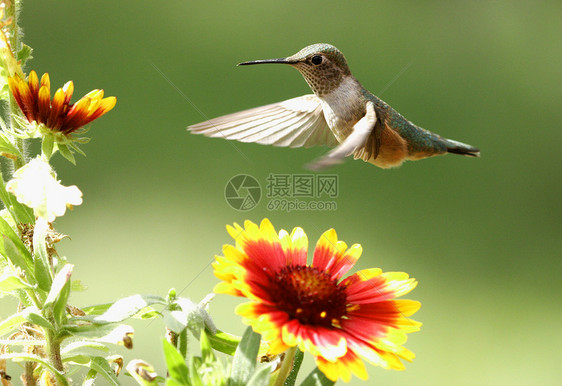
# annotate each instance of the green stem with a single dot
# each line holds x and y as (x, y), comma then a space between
(12, 10)
(286, 366)
(53, 350)
(182, 343)
(22, 147)
(33, 297)
(27, 377)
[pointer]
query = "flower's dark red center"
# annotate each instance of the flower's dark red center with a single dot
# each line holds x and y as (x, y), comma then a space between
(309, 295)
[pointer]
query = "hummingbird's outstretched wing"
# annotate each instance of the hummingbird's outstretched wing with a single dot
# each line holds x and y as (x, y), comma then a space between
(354, 142)
(296, 122)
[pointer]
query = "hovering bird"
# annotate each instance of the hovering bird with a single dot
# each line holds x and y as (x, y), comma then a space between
(341, 113)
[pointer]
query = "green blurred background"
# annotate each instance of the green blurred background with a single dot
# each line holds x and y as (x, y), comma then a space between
(482, 236)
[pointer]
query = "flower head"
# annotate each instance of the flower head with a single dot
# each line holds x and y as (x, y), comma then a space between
(338, 320)
(57, 114)
(36, 186)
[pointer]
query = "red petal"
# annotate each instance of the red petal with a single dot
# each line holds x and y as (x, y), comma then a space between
(14, 87)
(325, 251)
(68, 89)
(265, 255)
(75, 116)
(27, 100)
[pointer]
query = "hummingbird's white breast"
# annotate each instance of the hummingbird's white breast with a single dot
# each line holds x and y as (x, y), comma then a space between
(343, 107)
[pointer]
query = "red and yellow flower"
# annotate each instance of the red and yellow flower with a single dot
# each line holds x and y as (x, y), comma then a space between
(57, 114)
(340, 321)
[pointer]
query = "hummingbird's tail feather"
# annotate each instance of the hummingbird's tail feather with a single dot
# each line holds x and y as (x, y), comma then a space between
(457, 147)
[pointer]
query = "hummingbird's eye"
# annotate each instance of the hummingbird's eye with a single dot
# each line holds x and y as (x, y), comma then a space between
(316, 59)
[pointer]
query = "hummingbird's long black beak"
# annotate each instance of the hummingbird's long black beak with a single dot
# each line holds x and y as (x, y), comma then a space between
(280, 60)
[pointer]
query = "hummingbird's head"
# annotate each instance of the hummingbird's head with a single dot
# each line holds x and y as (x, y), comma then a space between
(322, 65)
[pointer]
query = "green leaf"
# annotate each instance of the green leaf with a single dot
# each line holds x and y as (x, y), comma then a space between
(27, 297)
(244, 361)
(4, 89)
(173, 382)
(73, 146)
(20, 212)
(16, 357)
(24, 54)
(102, 367)
(17, 259)
(227, 343)
(7, 147)
(13, 254)
(148, 313)
(10, 281)
(194, 376)
(207, 353)
(61, 280)
(11, 323)
(58, 295)
(42, 269)
(100, 309)
(12, 247)
(316, 378)
(197, 317)
(112, 333)
(90, 378)
(43, 275)
(175, 320)
(66, 153)
(175, 363)
(48, 145)
(80, 345)
(96, 309)
(224, 342)
(33, 315)
(127, 307)
(97, 364)
(297, 362)
(182, 343)
(81, 359)
(261, 376)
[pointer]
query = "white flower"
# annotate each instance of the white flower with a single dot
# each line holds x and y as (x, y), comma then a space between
(36, 186)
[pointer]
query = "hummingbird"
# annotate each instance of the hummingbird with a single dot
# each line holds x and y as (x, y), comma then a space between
(341, 114)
